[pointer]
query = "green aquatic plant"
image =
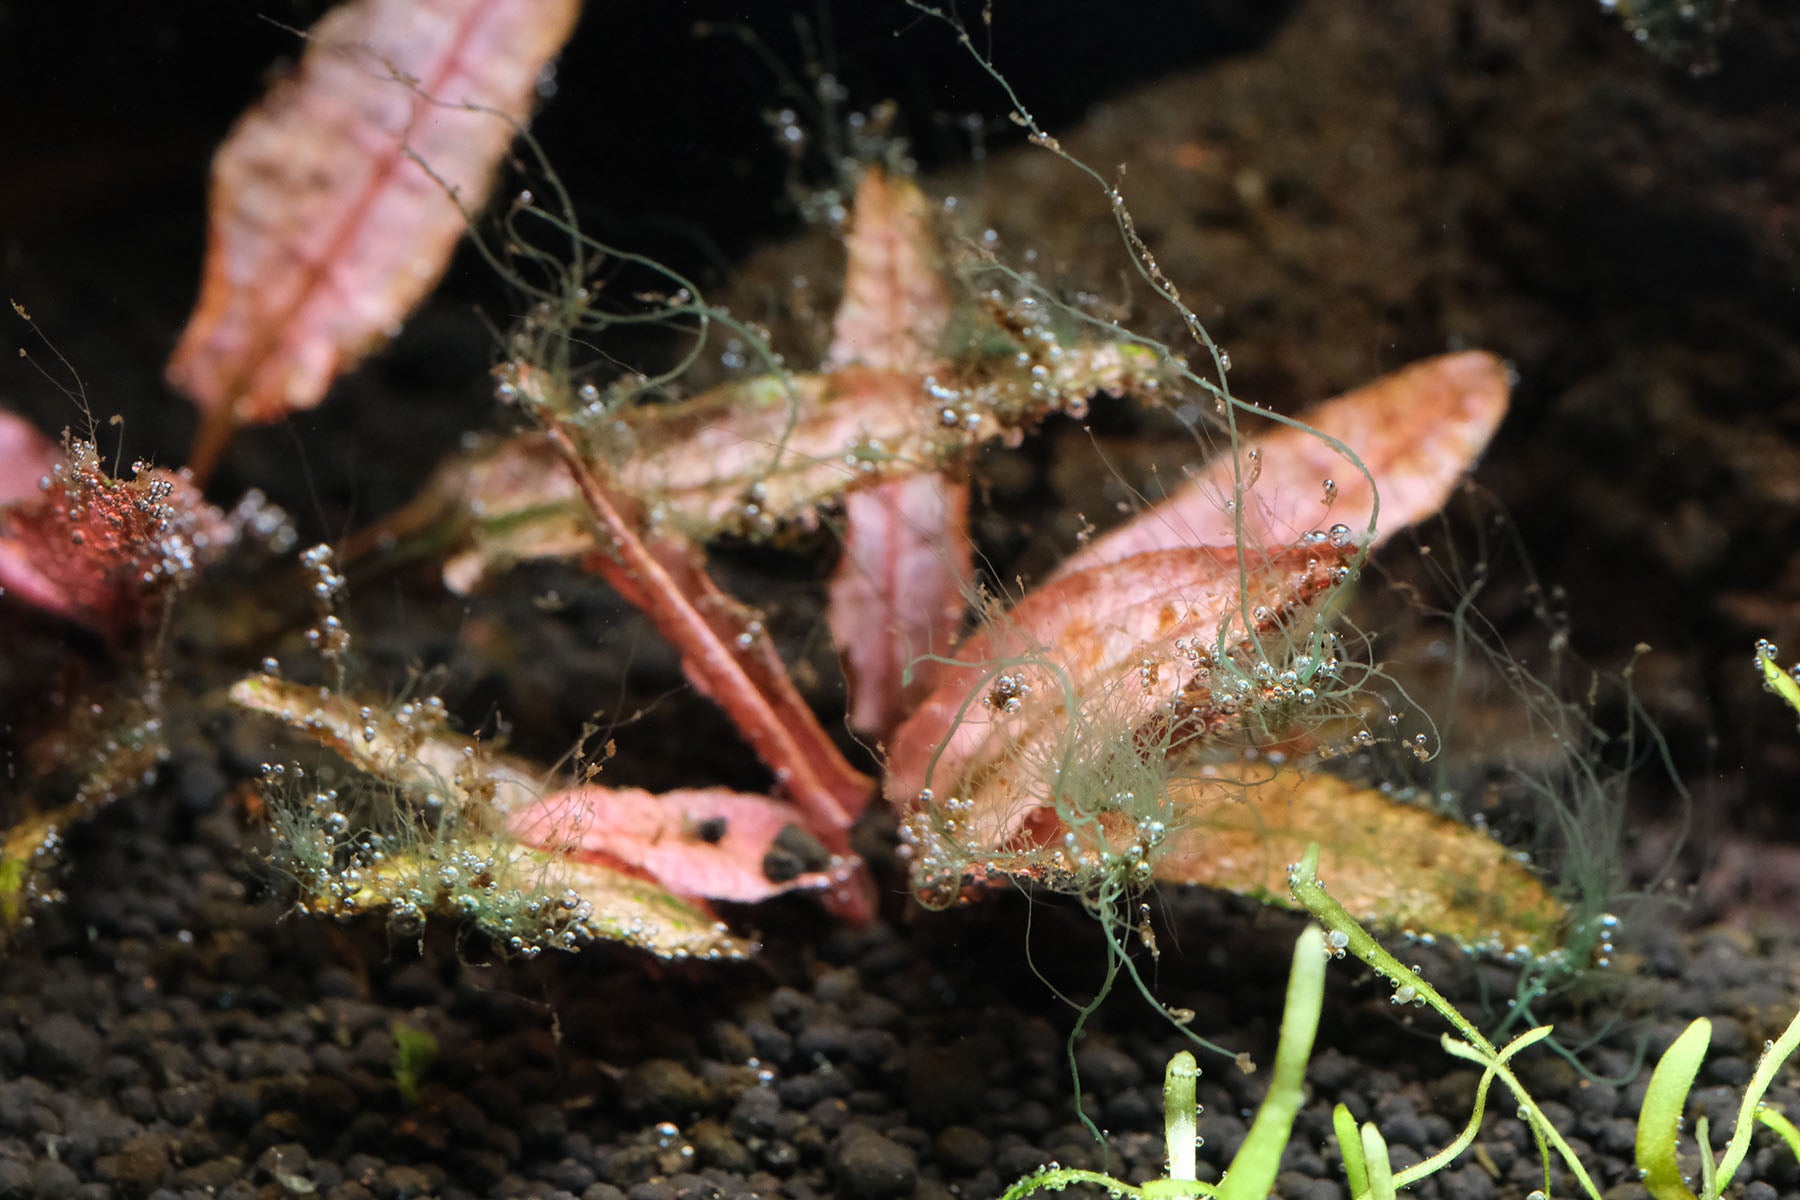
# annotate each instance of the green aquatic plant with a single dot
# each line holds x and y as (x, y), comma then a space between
(1252, 1172)
(415, 1050)
(1784, 683)
(1368, 1169)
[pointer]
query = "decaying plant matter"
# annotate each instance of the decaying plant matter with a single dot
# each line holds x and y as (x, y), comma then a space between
(1156, 710)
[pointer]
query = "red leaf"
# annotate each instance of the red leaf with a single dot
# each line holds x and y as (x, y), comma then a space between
(1417, 430)
(329, 216)
(907, 564)
(707, 843)
(101, 551)
(26, 456)
(1110, 653)
(724, 654)
(898, 593)
(896, 303)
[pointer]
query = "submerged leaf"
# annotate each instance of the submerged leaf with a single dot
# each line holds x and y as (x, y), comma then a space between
(754, 456)
(908, 564)
(896, 597)
(550, 901)
(409, 746)
(703, 842)
(1148, 649)
(1390, 863)
(336, 201)
(104, 552)
(26, 456)
(462, 861)
(896, 301)
(1417, 431)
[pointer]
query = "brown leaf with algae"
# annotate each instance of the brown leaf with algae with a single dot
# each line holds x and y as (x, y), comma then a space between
(408, 745)
(1390, 863)
(337, 200)
(465, 863)
(1147, 648)
(1417, 431)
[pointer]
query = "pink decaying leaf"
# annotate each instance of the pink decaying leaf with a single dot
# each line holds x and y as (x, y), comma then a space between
(1417, 430)
(896, 301)
(336, 201)
(26, 456)
(1113, 653)
(702, 843)
(898, 592)
(897, 595)
(104, 552)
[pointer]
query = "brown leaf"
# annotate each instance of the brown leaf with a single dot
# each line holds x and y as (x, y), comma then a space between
(1388, 862)
(1112, 655)
(103, 552)
(336, 201)
(410, 746)
(470, 861)
(896, 302)
(708, 843)
(898, 592)
(1417, 430)
(749, 457)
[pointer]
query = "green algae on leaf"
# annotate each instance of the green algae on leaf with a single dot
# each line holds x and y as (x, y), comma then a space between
(1389, 863)
(447, 850)
(754, 456)
(1059, 715)
(103, 747)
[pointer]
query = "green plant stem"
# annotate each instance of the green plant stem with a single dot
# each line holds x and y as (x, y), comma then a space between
(1303, 880)
(1180, 1115)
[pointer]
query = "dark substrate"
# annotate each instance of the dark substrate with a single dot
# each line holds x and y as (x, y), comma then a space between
(167, 1033)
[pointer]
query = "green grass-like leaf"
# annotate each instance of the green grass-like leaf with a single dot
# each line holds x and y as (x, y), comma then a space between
(1252, 1172)
(1349, 1140)
(1659, 1119)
